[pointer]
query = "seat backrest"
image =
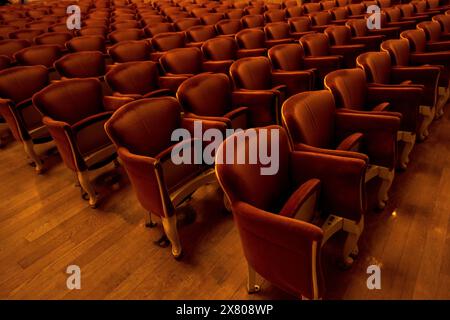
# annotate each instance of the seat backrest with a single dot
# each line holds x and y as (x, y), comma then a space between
(384, 3)
(228, 26)
(10, 46)
(182, 61)
(131, 126)
(186, 23)
(234, 14)
(406, 9)
(277, 15)
(126, 34)
(253, 73)
(432, 30)
(394, 14)
(138, 77)
(287, 57)
(217, 102)
(251, 10)
(349, 88)
(86, 43)
(26, 34)
(356, 9)
(220, 48)
(309, 118)
(45, 55)
(212, 18)
(133, 50)
(20, 83)
(277, 30)
(339, 13)
(312, 7)
(154, 29)
(315, 44)
(84, 64)
(339, 35)
(201, 33)
(300, 24)
(125, 24)
(253, 21)
(70, 100)
(327, 4)
(398, 50)
(376, 65)
(444, 20)
(251, 39)
(93, 31)
(59, 38)
(240, 181)
(168, 41)
(292, 12)
(320, 18)
(417, 39)
(433, 4)
(358, 27)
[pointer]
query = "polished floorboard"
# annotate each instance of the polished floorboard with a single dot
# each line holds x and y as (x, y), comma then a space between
(45, 226)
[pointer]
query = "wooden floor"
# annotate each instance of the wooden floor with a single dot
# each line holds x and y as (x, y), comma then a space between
(45, 226)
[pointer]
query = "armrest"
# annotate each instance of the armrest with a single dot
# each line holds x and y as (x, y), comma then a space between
(380, 134)
(331, 152)
(91, 120)
(321, 62)
(274, 42)
(133, 96)
(428, 76)
(64, 140)
(188, 123)
(351, 143)
(158, 93)
(293, 208)
(431, 58)
(221, 66)
(342, 181)
(244, 53)
(346, 49)
(276, 247)
(295, 81)
(391, 32)
(368, 40)
(264, 106)
(112, 103)
(384, 106)
(167, 153)
(438, 46)
(237, 112)
(171, 82)
(223, 119)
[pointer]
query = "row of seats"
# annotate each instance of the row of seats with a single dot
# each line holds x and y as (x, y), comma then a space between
(337, 128)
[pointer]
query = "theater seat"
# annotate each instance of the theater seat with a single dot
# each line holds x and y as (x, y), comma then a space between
(84, 64)
(351, 92)
(277, 15)
(160, 185)
(216, 105)
(126, 34)
(290, 59)
(26, 34)
(253, 21)
(278, 224)
(183, 62)
(444, 21)
(379, 70)
(197, 35)
(342, 43)
(75, 111)
(9, 47)
(300, 26)
(435, 39)
(140, 79)
(228, 27)
(220, 53)
(261, 89)
(316, 46)
(44, 55)
(58, 38)
(153, 29)
(277, 33)
(251, 42)
(86, 43)
(315, 125)
(133, 50)
(17, 86)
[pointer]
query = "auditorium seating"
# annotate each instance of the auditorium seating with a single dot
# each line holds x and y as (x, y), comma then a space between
(233, 64)
(279, 226)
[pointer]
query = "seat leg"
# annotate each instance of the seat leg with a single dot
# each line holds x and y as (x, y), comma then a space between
(444, 94)
(409, 139)
(350, 250)
(387, 176)
(428, 116)
(252, 287)
(29, 149)
(150, 223)
(170, 228)
(83, 178)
